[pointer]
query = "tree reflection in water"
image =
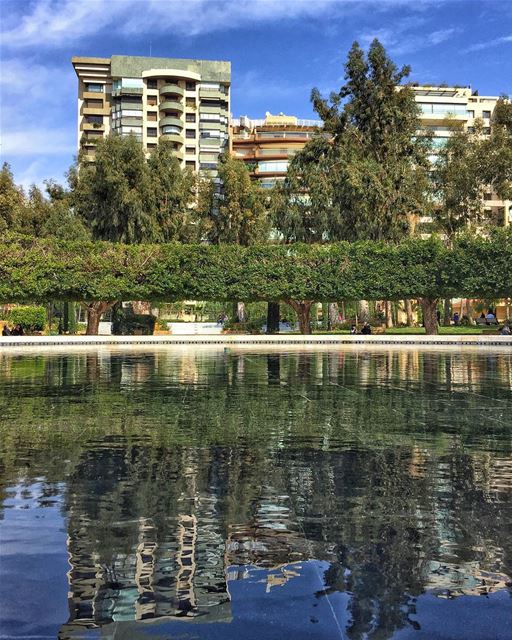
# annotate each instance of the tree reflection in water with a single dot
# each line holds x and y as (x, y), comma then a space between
(183, 473)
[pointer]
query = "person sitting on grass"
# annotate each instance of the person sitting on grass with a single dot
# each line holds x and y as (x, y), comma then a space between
(6, 331)
(505, 330)
(366, 330)
(490, 318)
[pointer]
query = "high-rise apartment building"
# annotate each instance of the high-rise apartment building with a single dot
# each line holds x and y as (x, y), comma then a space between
(184, 101)
(267, 146)
(446, 109)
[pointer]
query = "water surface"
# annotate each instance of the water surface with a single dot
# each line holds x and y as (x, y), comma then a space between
(224, 494)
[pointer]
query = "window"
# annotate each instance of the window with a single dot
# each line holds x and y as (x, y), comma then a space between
(208, 165)
(471, 114)
(152, 84)
(486, 114)
(191, 86)
(131, 100)
(190, 102)
(190, 151)
(270, 167)
(152, 116)
(151, 146)
(152, 132)
(190, 164)
(129, 113)
(170, 128)
(152, 101)
(210, 103)
(190, 133)
(93, 87)
(190, 117)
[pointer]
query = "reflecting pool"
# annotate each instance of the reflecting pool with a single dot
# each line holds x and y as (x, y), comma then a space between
(218, 494)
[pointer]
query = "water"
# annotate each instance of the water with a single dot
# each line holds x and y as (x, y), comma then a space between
(222, 494)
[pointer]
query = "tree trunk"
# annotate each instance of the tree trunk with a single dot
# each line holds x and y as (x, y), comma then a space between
(303, 310)
(408, 311)
(389, 314)
(273, 317)
(429, 308)
(239, 313)
(363, 311)
(447, 315)
(94, 312)
(334, 315)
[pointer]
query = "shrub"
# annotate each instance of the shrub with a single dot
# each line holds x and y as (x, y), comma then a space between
(30, 318)
(130, 324)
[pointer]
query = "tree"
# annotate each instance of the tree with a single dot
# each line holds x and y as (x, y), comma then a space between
(172, 194)
(124, 198)
(113, 193)
(366, 175)
(235, 214)
(12, 200)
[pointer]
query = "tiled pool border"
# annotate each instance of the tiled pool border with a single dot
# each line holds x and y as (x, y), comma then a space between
(264, 340)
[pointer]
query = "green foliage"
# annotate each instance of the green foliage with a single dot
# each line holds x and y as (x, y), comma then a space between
(31, 318)
(46, 269)
(372, 175)
(130, 324)
(237, 214)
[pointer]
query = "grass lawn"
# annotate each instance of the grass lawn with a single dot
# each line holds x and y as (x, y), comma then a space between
(398, 331)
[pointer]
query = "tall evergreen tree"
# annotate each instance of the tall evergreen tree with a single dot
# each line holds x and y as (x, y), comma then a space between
(366, 174)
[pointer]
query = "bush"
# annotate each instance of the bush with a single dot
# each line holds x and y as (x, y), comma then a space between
(30, 318)
(253, 327)
(131, 324)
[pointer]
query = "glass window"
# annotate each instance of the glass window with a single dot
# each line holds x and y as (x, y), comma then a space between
(271, 167)
(152, 101)
(486, 114)
(152, 84)
(190, 150)
(190, 133)
(94, 119)
(471, 114)
(191, 86)
(190, 117)
(93, 104)
(190, 164)
(94, 87)
(170, 128)
(152, 132)
(152, 116)
(132, 83)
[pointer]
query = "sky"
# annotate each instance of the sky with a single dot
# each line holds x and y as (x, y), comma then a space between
(279, 51)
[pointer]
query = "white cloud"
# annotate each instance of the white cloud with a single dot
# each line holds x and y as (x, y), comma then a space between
(490, 43)
(60, 22)
(57, 23)
(36, 141)
(401, 38)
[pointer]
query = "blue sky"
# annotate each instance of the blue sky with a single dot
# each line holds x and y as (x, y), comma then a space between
(279, 50)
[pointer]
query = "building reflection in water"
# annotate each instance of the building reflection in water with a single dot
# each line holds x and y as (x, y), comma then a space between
(185, 476)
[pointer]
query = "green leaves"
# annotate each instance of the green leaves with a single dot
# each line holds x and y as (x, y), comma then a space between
(45, 269)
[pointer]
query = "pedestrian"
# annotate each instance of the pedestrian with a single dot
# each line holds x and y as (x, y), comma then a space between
(456, 319)
(6, 331)
(366, 330)
(490, 318)
(353, 329)
(505, 330)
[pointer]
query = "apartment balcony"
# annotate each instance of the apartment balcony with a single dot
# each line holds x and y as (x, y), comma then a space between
(92, 126)
(209, 94)
(172, 137)
(127, 91)
(96, 111)
(169, 120)
(171, 105)
(172, 90)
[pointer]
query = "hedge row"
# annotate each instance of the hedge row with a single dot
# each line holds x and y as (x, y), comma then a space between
(41, 270)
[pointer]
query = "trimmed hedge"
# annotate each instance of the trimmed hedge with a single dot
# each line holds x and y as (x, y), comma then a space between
(46, 269)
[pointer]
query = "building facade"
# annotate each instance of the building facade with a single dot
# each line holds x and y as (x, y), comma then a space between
(448, 109)
(267, 146)
(184, 101)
